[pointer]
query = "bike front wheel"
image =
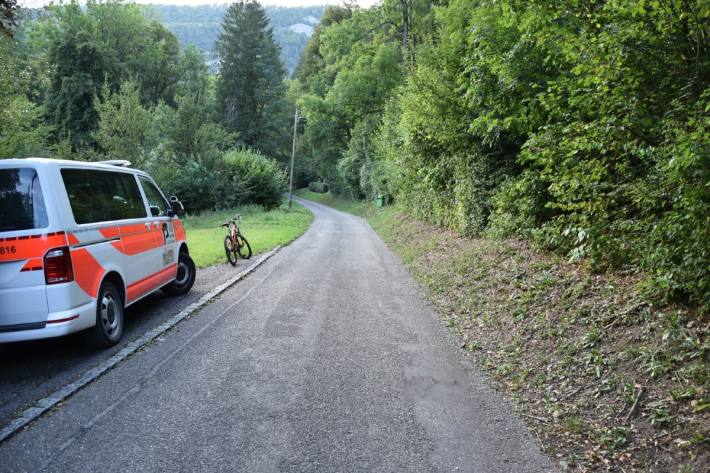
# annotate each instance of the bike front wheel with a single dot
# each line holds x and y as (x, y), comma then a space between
(230, 250)
(243, 248)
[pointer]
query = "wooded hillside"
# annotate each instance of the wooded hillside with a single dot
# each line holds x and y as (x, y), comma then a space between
(200, 25)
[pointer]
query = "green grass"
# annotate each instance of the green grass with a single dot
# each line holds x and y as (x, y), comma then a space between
(264, 230)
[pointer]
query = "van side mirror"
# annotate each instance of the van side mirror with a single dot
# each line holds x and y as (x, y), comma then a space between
(154, 211)
(176, 206)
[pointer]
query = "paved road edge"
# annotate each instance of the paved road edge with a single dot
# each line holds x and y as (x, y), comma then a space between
(45, 404)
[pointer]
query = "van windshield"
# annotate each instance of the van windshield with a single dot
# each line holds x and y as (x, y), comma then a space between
(21, 200)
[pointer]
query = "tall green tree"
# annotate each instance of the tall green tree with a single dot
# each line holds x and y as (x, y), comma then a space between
(312, 63)
(346, 84)
(250, 88)
(22, 129)
(159, 67)
(193, 79)
(79, 69)
(104, 42)
(124, 124)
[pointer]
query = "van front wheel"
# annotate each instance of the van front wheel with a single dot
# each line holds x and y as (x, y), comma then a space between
(109, 318)
(185, 277)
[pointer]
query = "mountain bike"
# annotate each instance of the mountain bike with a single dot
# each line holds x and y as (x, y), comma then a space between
(235, 243)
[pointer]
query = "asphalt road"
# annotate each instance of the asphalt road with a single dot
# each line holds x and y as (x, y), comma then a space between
(325, 359)
(32, 370)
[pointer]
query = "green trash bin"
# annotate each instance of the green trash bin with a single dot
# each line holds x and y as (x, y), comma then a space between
(380, 201)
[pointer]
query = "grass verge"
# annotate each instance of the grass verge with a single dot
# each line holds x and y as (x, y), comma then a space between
(605, 379)
(263, 229)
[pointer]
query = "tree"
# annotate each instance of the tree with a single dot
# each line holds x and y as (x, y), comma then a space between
(160, 65)
(192, 74)
(106, 42)
(250, 87)
(79, 69)
(348, 80)
(22, 131)
(187, 130)
(124, 124)
(311, 61)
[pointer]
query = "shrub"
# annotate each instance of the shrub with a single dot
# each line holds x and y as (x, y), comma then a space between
(237, 177)
(197, 186)
(255, 178)
(317, 186)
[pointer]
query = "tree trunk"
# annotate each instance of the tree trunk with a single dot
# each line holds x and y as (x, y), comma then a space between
(405, 25)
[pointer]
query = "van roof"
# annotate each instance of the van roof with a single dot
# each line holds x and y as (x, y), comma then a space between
(63, 162)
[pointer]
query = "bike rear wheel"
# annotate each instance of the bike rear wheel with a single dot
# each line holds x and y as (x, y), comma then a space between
(230, 250)
(244, 248)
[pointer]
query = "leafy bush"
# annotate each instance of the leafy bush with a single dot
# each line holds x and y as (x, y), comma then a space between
(238, 177)
(317, 186)
(582, 126)
(254, 178)
(198, 187)
(618, 173)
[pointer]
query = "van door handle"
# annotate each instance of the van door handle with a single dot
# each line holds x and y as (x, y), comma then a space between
(147, 225)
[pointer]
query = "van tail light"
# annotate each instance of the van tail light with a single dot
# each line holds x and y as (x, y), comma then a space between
(57, 266)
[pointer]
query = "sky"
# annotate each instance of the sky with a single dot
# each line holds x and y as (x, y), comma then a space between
(286, 3)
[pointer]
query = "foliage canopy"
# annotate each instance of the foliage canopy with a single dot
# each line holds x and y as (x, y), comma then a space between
(580, 125)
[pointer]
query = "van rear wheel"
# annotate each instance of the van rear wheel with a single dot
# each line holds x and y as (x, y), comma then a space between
(109, 318)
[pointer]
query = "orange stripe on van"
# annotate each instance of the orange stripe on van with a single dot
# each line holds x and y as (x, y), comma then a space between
(134, 228)
(179, 230)
(34, 264)
(154, 281)
(110, 232)
(87, 271)
(28, 247)
(72, 239)
(136, 239)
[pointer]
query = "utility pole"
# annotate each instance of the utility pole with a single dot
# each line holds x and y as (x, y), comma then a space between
(293, 155)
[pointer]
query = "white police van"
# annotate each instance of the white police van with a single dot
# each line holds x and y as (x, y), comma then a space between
(79, 242)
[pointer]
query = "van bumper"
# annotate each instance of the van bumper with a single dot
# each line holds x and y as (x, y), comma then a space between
(58, 324)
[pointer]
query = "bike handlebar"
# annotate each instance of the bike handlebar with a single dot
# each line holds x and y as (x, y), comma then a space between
(238, 217)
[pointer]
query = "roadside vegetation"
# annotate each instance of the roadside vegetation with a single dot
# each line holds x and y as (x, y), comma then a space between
(581, 127)
(605, 379)
(105, 80)
(263, 229)
(549, 165)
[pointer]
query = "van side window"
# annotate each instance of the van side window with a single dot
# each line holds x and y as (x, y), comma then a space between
(155, 198)
(100, 196)
(21, 201)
